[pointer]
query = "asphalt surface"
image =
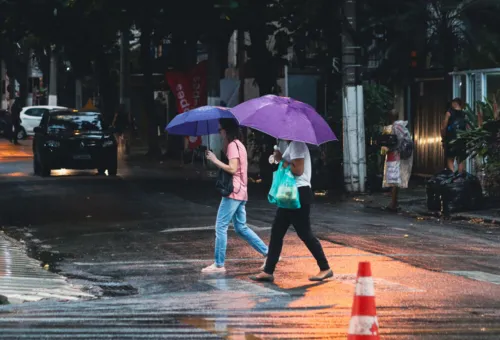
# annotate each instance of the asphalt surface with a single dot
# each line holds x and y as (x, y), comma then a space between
(134, 245)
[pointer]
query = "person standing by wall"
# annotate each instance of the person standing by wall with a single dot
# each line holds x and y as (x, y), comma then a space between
(455, 120)
(123, 124)
(398, 159)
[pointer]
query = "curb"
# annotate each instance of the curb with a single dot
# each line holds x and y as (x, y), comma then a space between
(452, 217)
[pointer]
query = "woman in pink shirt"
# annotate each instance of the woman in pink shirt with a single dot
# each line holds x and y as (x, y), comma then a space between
(232, 208)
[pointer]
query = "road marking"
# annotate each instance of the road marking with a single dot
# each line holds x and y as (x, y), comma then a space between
(161, 263)
(380, 284)
(235, 285)
(146, 263)
(211, 227)
(478, 276)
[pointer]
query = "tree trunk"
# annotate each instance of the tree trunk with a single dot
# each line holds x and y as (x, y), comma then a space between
(265, 73)
(148, 90)
(262, 61)
(105, 85)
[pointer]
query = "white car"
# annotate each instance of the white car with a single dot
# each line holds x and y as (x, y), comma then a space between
(32, 115)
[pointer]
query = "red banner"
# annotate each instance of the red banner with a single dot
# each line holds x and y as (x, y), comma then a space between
(190, 90)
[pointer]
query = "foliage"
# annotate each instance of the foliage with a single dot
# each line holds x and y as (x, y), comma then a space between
(444, 34)
(486, 108)
(379, 100)
(484, 142)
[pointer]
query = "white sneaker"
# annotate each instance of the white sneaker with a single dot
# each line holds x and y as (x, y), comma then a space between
(213, 269)
(264, 265)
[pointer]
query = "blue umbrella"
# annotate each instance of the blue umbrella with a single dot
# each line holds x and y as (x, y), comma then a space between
(201, 121)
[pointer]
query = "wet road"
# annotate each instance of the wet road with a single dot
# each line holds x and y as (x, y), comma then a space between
(136, 244)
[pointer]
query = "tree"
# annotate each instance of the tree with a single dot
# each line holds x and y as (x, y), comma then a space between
(451, 33)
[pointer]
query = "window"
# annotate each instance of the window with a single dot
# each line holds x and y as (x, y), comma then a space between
(36, 112)
(88, 122)
(493, 87)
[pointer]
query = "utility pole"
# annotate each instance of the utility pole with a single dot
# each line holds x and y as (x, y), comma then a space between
(353, 118)
(53, 78)
(28, 80)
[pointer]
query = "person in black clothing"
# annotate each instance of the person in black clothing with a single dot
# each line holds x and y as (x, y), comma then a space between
(455, 120)
(122, 122)
(296, 156)
(15, 113)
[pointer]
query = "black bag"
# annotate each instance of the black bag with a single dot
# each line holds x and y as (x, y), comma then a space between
(389, 141)
(453, 192)
(462, 192)
(406, 149)
(224, 182)
(433, 189)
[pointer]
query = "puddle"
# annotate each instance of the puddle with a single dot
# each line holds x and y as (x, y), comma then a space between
(23, 279)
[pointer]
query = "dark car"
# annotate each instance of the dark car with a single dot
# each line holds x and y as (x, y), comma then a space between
(69, 139)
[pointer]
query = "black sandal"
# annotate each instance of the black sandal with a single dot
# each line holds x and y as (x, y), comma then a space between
(318, 278)
(267, 278)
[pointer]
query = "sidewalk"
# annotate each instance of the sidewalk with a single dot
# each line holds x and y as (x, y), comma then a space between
(413, 201)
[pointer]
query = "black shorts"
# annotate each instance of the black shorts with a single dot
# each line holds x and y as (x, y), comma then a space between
(455, 151)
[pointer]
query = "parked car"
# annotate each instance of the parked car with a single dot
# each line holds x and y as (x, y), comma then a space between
(70, 139)
(32, 115)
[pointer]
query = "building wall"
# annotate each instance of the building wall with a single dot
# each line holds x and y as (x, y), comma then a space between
(430, 98)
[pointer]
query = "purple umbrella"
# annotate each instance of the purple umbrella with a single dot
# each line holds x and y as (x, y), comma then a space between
(284, 118)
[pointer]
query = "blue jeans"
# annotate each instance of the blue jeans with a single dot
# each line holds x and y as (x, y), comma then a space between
(233, 210)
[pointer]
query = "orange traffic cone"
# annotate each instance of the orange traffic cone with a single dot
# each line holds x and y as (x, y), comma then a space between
(364, 323)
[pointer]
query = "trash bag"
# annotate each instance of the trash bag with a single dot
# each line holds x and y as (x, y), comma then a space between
(461, 192)
(433, 189)
(452, 192)
(284, 192)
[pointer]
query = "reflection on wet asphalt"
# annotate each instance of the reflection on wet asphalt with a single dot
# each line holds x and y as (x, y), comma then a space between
(137, 244)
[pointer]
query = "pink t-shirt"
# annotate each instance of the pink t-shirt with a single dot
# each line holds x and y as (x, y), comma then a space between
(236, 149)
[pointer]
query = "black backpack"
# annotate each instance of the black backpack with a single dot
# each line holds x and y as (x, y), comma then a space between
(406, 149)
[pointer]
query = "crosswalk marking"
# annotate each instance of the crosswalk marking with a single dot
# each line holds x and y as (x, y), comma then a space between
(235, 285)
(380, 284)
(211, 227)
(477, 275)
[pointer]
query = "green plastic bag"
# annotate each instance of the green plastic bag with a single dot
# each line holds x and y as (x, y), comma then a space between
(284, 192)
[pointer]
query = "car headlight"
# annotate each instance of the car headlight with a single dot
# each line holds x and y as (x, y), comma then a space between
(108, 143)
(53, 144)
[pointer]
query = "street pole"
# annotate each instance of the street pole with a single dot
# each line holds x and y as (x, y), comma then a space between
(78, 94)
(28, 80)
(353, 122)
(53, 79)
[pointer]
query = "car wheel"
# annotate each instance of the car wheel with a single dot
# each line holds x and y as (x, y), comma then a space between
(112, 172)
(21, 134)
(44, 170)
(113, 167)
(36, 166)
